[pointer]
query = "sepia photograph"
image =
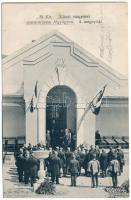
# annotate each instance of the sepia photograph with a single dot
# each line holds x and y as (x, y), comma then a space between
(65, 123)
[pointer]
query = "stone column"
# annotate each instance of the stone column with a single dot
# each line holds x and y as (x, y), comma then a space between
(31, 126)
(80, 132)
(86, 132)
(41, 137)
(90, 128)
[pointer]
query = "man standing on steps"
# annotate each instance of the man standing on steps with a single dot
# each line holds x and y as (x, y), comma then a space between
(74, 170)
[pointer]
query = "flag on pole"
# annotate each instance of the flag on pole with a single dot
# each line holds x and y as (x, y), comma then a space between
(96, 102)
(34, 99)
(94, 106)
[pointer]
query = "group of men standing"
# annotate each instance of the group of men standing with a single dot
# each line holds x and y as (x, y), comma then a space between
(62, 163)
(92, 161)
(27, 165)
(66, 139)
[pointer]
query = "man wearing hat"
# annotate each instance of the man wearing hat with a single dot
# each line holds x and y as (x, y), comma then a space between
(94, 169)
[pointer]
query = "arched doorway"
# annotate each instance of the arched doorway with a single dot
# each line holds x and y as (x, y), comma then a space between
(61, 114)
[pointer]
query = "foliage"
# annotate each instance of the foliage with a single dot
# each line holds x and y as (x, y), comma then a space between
(125, 186)
(46, 187)
(122, 191)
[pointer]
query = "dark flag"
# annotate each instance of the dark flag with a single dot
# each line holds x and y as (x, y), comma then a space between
(96, 102)
(31, 105)
(34, 99)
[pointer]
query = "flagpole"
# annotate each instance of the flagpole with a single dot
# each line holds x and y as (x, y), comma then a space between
(85, 112)
(38, 126)
(97, 94)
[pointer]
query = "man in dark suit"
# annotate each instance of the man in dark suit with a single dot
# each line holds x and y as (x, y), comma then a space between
(20, 167)
(103, 162)
(31, 167)
(47, 165)
(68, 155)
(74, 170)
(110, 154)
(55, 167)
(97, 138)
(92, 151)
(62, 157)
(34, 165)
(26, 167)
(86, 161)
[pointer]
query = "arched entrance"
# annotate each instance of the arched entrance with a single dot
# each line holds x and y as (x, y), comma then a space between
(61, 114)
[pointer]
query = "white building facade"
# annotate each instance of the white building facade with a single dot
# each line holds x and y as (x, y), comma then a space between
(67, 76)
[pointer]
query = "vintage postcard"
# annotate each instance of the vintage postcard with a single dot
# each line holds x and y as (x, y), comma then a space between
(65, 128)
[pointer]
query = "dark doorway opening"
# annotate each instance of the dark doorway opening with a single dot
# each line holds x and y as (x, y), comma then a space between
(61, 115)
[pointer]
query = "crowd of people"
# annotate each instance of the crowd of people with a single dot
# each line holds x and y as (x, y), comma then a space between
(94, 162)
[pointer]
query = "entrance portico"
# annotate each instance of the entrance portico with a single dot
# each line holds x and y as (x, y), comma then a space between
(56, 61)
(42, 115)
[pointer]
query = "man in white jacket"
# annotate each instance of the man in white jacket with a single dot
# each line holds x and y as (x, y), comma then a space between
(94, 169)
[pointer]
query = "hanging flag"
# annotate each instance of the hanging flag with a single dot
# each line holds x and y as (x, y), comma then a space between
(96, 102)
(33, 101)
(94, 105)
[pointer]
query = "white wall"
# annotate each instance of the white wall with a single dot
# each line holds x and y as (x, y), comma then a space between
(113, 121)
(13, 121)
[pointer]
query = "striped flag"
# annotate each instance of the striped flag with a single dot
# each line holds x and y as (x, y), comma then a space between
(94, 106)
(96, 102)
